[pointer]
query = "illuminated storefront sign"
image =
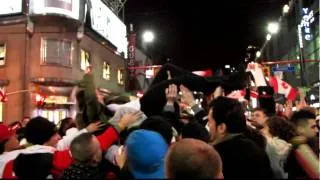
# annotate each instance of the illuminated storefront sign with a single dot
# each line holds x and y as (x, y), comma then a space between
(68, 8)
(307, 20)
(108, 25)
(10, 7)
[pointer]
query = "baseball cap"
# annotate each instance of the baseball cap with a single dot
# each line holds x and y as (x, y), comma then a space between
(146, 152)
(5, 133)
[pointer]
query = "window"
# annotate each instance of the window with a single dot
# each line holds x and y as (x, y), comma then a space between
(84, 59)
(120, 76)
(56, 52)
(106, 72)
(2, 54)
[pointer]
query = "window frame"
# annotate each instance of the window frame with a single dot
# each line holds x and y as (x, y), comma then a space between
(119, 70)
(89, 59)
(5, 53)
(104, 70)
(43, 52)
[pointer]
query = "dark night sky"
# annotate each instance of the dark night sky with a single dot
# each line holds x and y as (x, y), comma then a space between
(196, 35)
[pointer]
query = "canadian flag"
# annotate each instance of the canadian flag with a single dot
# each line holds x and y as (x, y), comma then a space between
(240, 94)
(282, 87)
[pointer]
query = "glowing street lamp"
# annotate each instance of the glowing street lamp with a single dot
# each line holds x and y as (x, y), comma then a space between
(285, 9)
(148, 37)
(273, 27)
(258, 54)
(268, 37)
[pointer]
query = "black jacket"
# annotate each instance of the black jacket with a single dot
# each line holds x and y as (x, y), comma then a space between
(243, 159)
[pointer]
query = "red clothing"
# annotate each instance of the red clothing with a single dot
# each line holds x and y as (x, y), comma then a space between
(61, 159)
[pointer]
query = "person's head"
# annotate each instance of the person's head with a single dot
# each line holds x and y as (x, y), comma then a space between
(41, 131)
(85, 149)
(8, 139)
(145, 151)
(279, 127)
(225, 116)
(192, 159)
(196, 131)
(305, 123)
(256, 136)
(66, 124)
(259, 118)
(160, 125)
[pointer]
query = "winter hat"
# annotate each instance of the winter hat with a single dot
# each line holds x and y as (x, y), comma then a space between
(146, 151)
(196, 131)
(33, 166)
(160, 125)
(5, 133)
(39, 130)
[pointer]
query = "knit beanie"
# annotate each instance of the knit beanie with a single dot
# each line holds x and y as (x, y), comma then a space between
(160, 125)
(196, 131)
(39, 130)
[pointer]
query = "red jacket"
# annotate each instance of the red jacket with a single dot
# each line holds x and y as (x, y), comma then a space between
(61, 159)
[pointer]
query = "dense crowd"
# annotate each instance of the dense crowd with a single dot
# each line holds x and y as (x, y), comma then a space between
(185, 127)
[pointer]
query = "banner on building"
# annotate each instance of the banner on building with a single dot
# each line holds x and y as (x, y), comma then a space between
(132, 53)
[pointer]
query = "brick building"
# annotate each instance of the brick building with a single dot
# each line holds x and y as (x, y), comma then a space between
(45, 49)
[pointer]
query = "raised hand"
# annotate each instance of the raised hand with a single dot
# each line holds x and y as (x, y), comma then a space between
(129, 118)
(171, 94)
(169, 75)
(187, 96)
(96, 126)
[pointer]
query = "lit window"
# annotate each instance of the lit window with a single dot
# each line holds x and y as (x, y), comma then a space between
(57, 52)
(2, 54)
(84, 59)
(106, 72)
(121, 76)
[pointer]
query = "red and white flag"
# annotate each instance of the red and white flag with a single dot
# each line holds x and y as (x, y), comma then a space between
(282, 87)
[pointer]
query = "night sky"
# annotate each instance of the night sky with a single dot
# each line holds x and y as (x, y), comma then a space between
(196, 35)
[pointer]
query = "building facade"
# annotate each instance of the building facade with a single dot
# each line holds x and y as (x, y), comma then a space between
(298, 38)
(46, 47)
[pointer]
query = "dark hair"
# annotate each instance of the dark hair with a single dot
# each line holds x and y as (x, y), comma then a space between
(229, 111)
(2, 144)
(301, 117)
(260, 109)
(160, 125)
(281, 128)
(81, 149)
(192, 159)
(65, 124)
(39, 130)
(33, 166)
(255, 136)
(196, 131)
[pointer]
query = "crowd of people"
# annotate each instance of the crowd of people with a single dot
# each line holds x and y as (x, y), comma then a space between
(168, 133)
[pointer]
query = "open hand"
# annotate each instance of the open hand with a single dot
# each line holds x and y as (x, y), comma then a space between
(171, 94)
(96, 126)
(129, 118)
(187, 96)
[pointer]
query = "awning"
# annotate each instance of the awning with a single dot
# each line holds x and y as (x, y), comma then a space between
(55, 82)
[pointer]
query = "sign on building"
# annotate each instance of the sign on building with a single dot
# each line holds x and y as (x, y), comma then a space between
(108, 25)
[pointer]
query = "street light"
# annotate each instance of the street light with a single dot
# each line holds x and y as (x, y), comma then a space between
(285, 9)
(258, 54)
(148, 36)
(273, 27)
(268, 37)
